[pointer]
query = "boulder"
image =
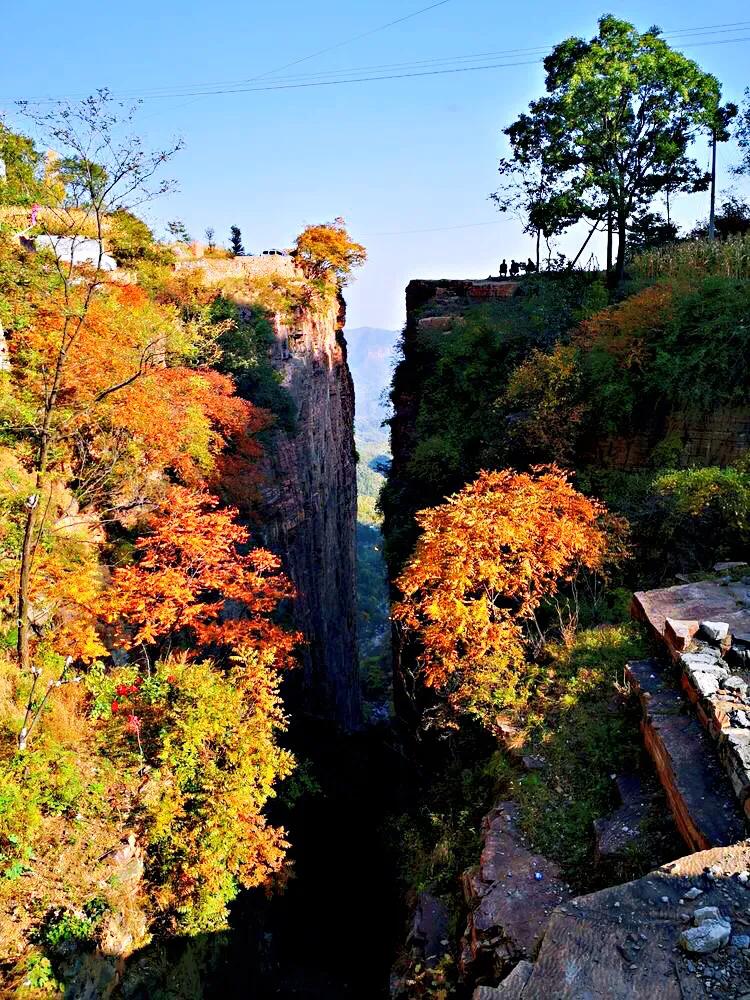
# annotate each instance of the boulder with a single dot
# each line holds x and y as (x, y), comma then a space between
(715, 631)
(679, 634)
(711, 931)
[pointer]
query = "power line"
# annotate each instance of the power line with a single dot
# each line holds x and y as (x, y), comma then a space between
(397, 76)
(354, 38)
(180, 89)
(411, 70)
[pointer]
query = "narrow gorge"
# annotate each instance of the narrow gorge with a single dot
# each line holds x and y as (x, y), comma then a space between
(348, 663)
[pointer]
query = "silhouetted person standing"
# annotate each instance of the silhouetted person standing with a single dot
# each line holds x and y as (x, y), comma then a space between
(514, 269)
(504, 269)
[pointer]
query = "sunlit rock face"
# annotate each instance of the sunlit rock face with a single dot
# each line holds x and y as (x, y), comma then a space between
(310, 507)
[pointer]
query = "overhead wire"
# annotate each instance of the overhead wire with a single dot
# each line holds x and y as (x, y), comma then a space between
(405, 70)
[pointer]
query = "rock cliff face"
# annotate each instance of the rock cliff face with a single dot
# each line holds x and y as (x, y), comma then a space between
(310, 507)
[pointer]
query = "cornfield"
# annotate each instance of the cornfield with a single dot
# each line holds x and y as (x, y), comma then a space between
(728, 258)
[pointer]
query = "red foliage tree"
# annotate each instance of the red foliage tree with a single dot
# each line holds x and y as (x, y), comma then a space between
(191, 577)
(485, 561)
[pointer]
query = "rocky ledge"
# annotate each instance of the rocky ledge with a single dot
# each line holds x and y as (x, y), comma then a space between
(680, 933)
(705, 628)
(511, 896)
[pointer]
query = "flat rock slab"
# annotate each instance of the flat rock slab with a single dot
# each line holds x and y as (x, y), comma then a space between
(512, 895)
(621, 943)
(697, 788)
(692, 603)
(511, 988)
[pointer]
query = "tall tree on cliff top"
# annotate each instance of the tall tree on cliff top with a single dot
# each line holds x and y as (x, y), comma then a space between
(327, 252)
(614, 130)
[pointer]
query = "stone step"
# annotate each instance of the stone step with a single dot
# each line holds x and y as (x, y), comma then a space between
(698, 790)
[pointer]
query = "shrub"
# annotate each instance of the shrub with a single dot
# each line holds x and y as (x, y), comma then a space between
(728, 258)
(484, 563)
(208, 737)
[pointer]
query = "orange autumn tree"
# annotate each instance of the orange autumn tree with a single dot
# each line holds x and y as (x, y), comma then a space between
(485, 561)
(130, 415)
(327, 252)
(191, 578)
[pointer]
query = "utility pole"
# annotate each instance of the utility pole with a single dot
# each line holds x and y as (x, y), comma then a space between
(719, 133)
(712, 215)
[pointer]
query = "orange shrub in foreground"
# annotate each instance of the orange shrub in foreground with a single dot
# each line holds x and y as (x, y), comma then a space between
(484, 562)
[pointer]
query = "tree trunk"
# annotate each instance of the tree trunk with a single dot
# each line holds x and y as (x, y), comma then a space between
(30, 528)
(538, 238)
(712, 215)
(22, 642)
(621, 240)
(609, 236)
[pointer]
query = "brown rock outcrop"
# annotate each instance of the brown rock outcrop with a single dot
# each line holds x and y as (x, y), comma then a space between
(698, 792)
(622, 942)
(511, 895)
(309, 507)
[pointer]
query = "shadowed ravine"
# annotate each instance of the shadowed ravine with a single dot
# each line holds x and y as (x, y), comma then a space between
(333, 932)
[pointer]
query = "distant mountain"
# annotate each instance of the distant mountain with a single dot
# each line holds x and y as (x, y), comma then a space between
(371, 359)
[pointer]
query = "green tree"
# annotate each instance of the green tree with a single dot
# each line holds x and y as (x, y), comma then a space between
(178, 231)
(732, 219)
(742, 135)
(235, 242)
(615, 128)
(19, 181)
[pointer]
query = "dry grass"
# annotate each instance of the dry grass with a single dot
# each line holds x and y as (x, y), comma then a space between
(56, 221)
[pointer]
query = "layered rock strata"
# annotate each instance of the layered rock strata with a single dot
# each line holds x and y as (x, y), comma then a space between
(309, 507)
(632, 940)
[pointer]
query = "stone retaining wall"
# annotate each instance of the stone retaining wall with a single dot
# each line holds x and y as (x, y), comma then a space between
(216, 269)
(705, 628)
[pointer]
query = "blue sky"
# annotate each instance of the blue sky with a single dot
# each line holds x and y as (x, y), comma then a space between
(390, 156)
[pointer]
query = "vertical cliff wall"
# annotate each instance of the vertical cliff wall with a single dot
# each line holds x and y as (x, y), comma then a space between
(310, 507)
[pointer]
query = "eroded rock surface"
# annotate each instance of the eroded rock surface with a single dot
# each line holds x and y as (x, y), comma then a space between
(511, 988)
(511, 897)
(698, 792)
(618, 833)
(310, 508)
(622, 942)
